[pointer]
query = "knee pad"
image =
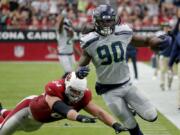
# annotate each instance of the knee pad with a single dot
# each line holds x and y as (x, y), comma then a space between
(150, 115)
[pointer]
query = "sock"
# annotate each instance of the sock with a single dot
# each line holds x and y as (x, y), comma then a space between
(135, 131)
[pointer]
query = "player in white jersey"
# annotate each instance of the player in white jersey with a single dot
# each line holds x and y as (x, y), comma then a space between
(106, 47)
(66, 44)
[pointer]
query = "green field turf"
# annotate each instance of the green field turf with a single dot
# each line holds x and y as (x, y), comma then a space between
(18, 80)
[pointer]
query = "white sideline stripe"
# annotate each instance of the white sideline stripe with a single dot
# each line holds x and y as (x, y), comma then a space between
(50, 126)
(148, 131)
(99, 126)
(164, 101)
(72, 126)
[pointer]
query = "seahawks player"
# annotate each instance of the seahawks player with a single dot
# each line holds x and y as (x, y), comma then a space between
(106, 47)
(65, 40)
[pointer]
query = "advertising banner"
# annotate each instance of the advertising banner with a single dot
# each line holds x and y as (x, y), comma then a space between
(29, 45)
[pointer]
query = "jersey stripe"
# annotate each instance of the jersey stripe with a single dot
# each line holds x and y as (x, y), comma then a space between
(124, 33)
(90, 42)
(65, 53)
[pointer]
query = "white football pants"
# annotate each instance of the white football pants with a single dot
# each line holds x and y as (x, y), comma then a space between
(20, 119)
(118, 100)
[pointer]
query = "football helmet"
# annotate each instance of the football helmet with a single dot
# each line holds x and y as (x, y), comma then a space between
(75, 87)
(104, 19)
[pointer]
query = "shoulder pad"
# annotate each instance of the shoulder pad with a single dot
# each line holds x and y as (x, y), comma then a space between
(55, 88)
(88, 39)
(123, 29)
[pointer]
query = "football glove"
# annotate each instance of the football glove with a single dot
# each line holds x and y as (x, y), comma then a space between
(82, 72)
(118, 128)
(85, 119)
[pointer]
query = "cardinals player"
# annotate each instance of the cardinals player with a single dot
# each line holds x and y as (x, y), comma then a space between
(62, 99)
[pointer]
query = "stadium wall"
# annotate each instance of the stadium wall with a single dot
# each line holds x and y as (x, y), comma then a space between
(28, 45)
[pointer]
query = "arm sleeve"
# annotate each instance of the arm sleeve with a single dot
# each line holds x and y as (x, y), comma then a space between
(61, 108)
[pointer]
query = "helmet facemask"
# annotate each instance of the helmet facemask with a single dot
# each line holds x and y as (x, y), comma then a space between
(105, 27)
(104, 19)
(75, 87)
(74, 95)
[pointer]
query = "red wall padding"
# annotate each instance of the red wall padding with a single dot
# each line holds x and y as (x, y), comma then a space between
(45, 51)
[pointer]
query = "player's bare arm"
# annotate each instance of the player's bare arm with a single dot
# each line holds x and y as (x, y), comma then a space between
(85, 59)
(58, 106)
(101, 114)
(83, 69)
(142, 41)
(51, 100)
(104, 116)
(86, 28)
(59, 24)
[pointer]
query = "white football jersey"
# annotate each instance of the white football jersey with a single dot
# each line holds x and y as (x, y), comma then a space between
(109, 54)
(65, 43)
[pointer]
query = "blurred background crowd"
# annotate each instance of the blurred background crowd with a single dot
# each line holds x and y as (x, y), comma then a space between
(44, 14)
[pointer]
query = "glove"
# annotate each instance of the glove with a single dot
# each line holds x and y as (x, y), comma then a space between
(118, 128)
(82, 72)
(166, 42)
(85, 119)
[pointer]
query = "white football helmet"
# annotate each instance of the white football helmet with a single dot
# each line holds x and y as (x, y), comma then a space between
(75, 87)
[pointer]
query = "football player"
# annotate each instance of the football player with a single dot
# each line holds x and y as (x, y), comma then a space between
(65, 41)
(165, 55)
(106, 46)
(175, 58)
(61, 99)
(163, 60)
